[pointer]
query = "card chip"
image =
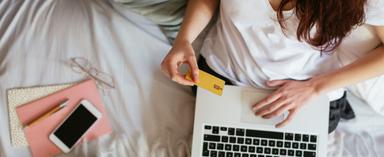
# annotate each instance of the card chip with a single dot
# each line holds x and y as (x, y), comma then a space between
(217, 87)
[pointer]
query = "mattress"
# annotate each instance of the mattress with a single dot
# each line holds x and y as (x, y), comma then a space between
(151, 116)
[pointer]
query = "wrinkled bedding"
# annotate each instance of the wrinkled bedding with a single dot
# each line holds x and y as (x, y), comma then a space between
(151, 116)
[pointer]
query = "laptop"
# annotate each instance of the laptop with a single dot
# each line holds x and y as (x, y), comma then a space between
(225, 126)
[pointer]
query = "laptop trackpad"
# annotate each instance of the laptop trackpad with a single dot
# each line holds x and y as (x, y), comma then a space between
(250, 98)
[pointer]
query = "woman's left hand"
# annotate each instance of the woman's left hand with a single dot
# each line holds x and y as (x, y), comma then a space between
(290, 96)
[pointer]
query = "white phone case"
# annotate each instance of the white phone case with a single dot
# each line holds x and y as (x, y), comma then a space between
(91, 108)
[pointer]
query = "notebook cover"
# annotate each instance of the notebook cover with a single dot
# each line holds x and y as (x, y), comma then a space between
(38, 135)
(20, 96)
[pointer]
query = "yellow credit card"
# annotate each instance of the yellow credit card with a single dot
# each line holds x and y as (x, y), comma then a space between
(208, 82)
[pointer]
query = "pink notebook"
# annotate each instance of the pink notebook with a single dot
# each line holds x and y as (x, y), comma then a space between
(38, 135)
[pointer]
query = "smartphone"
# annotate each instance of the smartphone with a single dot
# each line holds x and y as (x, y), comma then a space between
(75, 125)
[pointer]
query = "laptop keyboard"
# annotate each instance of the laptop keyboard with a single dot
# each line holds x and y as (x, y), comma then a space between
(222, 141)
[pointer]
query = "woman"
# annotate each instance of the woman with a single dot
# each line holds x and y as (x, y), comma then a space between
(284, 44)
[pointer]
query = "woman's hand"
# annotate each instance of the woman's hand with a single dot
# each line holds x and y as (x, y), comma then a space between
(181, 52)
(290, 96)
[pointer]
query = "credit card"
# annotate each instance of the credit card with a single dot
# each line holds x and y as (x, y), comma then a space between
(208, 82)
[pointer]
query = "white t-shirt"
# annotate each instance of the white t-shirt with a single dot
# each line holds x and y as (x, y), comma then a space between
(248, 46)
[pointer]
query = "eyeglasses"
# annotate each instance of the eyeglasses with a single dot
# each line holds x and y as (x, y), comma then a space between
(82, 65)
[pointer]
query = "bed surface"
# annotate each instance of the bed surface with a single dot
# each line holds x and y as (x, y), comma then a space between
(151, 116)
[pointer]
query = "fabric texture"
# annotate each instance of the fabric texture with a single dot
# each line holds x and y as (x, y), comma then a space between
(39, 37)
(374, 12)
(168, 14)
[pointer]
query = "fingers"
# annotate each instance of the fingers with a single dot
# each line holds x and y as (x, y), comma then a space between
(271, 98)
(194, 68)
(271, 108)
(177, 77)
(171, 70)
(278, 112)
(275, 83)
(291, 114)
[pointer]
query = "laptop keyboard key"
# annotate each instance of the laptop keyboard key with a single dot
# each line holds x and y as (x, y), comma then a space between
(215, 130)
(245, 155)
(264, 142)
(259, 150)
(251, 149)
(207, 127)
(239, 132)
(213, 154)
(303, 146)
(275, 151)
(212, 138)
(229, 154)
(256, 142)
(223, 128)
(267, 150)
(271, 143)
(205, 146)
(309, 154)
(264, 134)
(287, 144)
(291, 152)
(231, 131)
(205, 153)
(240, 140)
(297, 137)
(243, 148)
(220, 146)
(252, 155)
(228, 147)
(212, 145)
(305, 138)
(311, 146)
(248, 141)
(299, 153)
(236, 148)
(237, 155)
(232, 139)
(221, 154)
(288, 136)
(295, 145)
(279, 143)
(283, 152)
(224, 139)
(313, 139)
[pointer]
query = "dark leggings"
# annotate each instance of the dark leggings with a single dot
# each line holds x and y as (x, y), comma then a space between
(339, 109)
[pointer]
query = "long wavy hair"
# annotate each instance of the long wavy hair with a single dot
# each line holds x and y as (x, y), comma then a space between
(332, 19)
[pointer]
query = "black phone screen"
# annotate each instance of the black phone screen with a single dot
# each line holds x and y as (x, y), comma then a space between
(75, 126)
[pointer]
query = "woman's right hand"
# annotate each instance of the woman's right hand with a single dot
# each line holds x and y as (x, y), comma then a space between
(181, 52)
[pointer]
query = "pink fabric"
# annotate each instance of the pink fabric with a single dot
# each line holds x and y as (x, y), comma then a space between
(38, 135)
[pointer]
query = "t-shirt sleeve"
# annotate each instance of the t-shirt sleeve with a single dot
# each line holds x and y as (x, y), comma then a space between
(374, 12)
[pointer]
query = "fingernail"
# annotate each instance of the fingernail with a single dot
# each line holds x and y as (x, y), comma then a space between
(266, 117)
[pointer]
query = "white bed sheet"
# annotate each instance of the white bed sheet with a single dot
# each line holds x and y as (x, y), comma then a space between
(151, 116)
